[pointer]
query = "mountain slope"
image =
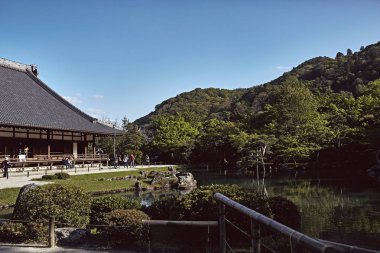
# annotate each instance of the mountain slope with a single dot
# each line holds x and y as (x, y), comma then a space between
(345, 73)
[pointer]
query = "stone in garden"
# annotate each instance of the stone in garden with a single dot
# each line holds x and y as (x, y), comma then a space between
(70, 235)
(22, 191)
(186, 180)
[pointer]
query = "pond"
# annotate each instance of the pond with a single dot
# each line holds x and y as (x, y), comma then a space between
(345, 210)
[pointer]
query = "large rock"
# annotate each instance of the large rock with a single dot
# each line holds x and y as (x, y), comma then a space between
(22, 191)
(164, 180)
(67, 236)
(186, 180)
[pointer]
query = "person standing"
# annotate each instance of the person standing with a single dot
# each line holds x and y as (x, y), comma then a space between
(147, 160)
(26, 151)
(5, 164)
(132, 160)
(126, 160)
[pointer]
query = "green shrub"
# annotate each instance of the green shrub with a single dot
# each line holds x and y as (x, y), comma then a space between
(130, 229)
(164, 209)
(12, 232)
(62, 175)
(18, 232)
(201, 205)
(49, 177)
(101, 206)
(69, 205)
(285, 212)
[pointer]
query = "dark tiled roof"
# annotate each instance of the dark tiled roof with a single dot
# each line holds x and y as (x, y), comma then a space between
(25, 101)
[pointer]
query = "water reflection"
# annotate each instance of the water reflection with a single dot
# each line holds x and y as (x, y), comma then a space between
(330, 209)
(148, 197)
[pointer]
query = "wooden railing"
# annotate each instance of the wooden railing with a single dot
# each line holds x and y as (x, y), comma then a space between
(34, 163)
(298, 241)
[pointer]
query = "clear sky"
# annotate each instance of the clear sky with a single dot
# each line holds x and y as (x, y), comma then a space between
(121, 58)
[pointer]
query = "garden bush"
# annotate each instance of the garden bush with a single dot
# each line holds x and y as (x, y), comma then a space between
(200, 204)
(12, 232)
(49, 177)
(103, 205)
(130, 229)
(59, 175)
(69, 205)
(62, 175)
(164, 209)
(285, 212)
(23, 232)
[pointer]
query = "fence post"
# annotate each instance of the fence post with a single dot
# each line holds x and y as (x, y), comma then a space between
(52, 232)
(255, 236)
(222, 228)
(27, 173)
(208, 246)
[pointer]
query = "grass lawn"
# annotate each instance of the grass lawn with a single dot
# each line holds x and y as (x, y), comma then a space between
(89, 183)
(8, 196)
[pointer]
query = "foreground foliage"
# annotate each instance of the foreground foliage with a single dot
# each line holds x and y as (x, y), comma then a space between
(69, 205)
(199, 204)
(125, 227)
(100, 207)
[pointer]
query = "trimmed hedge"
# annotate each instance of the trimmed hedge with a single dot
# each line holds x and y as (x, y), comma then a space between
(69, 205)
(100, 207)
(59, 175)
(62, 175)
(49, 177)
(19, 233)
(130, 229)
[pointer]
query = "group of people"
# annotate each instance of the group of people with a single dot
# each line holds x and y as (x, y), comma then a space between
(124, 160)
(68, 162)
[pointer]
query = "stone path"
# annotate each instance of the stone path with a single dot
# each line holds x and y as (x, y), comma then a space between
(18, 179)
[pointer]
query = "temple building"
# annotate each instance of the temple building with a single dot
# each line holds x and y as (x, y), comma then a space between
(35, 120)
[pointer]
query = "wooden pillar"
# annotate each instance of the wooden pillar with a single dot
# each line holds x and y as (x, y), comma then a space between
(48, 133)
(51, 232)
(255, 237)
(222, 228)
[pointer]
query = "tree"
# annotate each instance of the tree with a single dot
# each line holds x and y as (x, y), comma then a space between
(295, 121)
(173, 137)
(216, 144)
(342, 114)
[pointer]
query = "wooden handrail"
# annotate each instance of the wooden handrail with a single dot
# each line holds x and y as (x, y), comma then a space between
(314, 245)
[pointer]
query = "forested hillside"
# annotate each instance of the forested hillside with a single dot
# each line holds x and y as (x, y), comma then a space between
(324, 110)
(205, 103)
(350, 72)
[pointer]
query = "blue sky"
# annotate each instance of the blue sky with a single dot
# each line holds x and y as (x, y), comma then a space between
(121, 58)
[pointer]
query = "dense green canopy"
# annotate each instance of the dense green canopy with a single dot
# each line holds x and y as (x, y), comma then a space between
(324, 106)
